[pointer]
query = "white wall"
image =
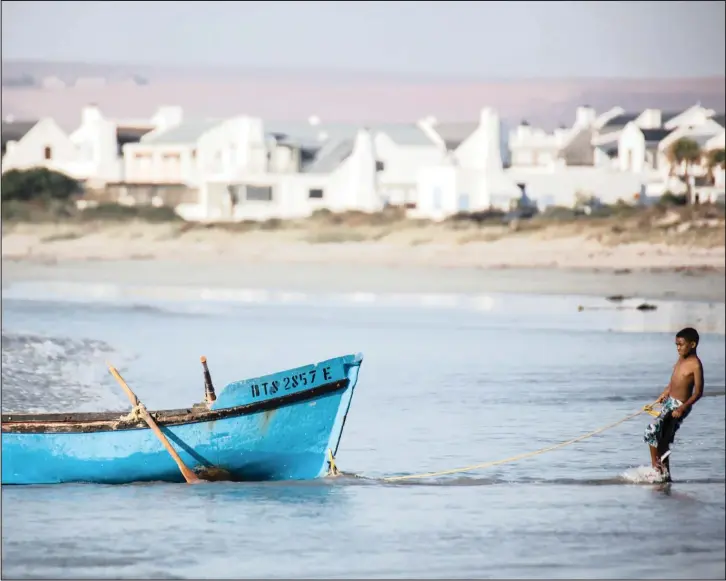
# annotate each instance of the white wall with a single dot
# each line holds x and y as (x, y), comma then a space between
(483, 148)
(631, 149)
(402, 163)
(97, 144)
(167, 116)
(46, 137)
(650, 119)
(438, 192)
(355, 181)
(559, 188)
(719, 175)
(233, 148)
(536, 148)
(290, 199)
(445, 190)
(352, 186)
(160, 164)
(230, 150)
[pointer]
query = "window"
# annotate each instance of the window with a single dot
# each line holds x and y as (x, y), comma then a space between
(380, 166)
(463, 202)
(48, 152)
(436, 195)
(258, 193)
(315, 193)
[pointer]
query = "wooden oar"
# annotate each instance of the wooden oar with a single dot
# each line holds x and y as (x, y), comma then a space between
(188, 474)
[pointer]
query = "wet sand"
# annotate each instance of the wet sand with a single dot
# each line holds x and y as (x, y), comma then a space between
(697, 285)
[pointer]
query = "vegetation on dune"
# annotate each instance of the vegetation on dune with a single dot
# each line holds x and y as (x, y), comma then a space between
(42, 196)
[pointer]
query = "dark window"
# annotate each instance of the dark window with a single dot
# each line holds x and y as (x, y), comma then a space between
(259, 193)
(48, 153)
(380, 166)
(316, 193)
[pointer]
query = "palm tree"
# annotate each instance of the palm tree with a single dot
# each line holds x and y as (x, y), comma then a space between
(683, 153)
(715, 158)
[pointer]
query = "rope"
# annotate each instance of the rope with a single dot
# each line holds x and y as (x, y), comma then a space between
(645, 409)
(133, 416)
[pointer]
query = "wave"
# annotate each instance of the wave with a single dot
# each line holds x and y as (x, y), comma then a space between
(211, 300)
(55, 374)
(152, 296)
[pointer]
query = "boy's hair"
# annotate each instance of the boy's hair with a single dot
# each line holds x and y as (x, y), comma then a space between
(689, 334)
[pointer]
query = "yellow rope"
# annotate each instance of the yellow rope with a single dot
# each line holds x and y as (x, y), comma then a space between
(645, 409)
(332, 467)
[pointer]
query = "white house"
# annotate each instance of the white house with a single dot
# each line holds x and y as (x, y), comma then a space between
(469, 178)
(606, 138)
(99, 141)
(537, 150)
(640, 150)
(698, 127)
(42, 143)
(91, 153)
(694, 116)
(402, 149)
(343, 175)
(292, 157)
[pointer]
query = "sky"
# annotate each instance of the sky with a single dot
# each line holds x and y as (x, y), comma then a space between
(472, 40)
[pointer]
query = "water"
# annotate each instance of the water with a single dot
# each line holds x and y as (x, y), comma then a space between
(444, 383)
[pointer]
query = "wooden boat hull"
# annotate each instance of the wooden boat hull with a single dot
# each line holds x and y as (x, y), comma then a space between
(246, 435)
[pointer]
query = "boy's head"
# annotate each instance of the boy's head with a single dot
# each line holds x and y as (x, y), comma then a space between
(686, 341)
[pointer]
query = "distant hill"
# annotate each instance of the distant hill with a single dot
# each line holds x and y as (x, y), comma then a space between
(137, 90)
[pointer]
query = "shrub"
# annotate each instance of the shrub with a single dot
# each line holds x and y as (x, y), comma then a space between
(119, 213)
(37, 184)
(671, 199)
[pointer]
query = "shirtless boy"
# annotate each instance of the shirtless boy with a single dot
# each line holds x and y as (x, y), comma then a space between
(684, 389)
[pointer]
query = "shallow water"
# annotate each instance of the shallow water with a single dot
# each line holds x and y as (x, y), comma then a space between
(446, 382)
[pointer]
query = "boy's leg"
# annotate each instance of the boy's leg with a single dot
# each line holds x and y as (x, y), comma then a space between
(653, 436)
(667, 437)
(665, 463)
(654, 458)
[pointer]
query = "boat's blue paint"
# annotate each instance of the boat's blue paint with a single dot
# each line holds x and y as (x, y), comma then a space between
(286, 442)
(276, 384)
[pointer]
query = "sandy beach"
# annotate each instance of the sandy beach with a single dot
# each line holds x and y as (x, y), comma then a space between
(571, 259)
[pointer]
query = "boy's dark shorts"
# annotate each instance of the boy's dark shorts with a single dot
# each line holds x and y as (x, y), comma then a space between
(662, 431)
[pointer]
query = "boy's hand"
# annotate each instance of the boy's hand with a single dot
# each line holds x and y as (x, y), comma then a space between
(661, 398)
(678, 412)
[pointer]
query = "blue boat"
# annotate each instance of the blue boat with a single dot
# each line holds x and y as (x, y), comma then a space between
(283, 426)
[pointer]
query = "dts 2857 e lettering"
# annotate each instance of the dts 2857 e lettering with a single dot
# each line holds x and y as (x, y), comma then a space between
(289, 382)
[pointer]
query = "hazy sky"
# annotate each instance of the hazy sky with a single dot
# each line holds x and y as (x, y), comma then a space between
(486, 40)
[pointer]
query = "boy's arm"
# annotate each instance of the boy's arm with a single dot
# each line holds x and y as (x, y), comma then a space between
(697, 386)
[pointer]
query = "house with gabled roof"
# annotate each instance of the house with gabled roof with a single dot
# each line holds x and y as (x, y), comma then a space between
(100, 141)
(339, 175)
(470, 176)
(402, 149)
(639, 150)
(28, 144)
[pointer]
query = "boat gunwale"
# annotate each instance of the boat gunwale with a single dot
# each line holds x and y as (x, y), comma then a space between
(110, 421)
